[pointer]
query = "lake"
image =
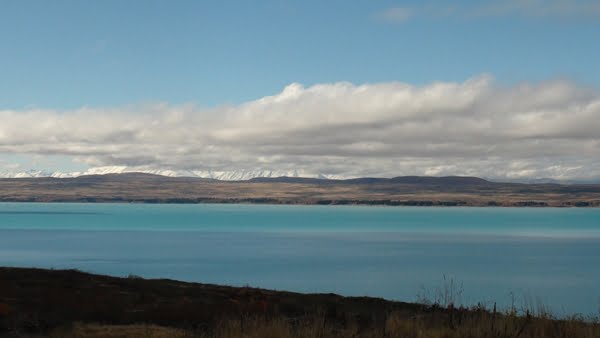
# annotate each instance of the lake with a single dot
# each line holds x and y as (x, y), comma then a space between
(520, 256)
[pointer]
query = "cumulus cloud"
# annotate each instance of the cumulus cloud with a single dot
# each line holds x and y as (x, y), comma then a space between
(476, 127)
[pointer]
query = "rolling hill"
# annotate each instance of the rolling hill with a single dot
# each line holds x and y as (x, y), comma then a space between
(404, 190)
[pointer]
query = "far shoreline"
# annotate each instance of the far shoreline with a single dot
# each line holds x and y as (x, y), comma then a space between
(376, 203)
(412, 191)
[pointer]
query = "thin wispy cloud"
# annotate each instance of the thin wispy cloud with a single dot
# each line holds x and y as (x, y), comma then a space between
(395, 14)
(540, 9)
(476, 127)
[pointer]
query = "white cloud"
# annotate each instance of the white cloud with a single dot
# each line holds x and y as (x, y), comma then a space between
(548, 129)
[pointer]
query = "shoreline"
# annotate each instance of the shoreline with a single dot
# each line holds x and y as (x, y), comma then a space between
(365, 203)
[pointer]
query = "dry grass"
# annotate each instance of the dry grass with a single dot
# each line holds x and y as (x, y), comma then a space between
(119, 331)
(66, 303)
(436, 325)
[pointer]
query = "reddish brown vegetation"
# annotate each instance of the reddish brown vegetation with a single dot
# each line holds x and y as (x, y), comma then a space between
(67, 303)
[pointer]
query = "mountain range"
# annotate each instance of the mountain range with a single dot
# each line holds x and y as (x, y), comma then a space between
(238, 175)
(234, 175)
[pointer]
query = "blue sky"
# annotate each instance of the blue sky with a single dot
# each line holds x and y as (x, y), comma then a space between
(65, 54)
(501, 89)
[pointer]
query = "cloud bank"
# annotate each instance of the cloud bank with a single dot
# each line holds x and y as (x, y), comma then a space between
(477, 127)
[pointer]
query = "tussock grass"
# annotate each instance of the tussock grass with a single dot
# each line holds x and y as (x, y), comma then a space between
(68, 303)
(119, 331)
(457, 324)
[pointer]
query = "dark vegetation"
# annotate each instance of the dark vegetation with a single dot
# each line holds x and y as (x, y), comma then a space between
(398, 191)
(69, 303)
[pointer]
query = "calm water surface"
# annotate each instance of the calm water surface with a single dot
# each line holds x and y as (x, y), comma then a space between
(539, 255)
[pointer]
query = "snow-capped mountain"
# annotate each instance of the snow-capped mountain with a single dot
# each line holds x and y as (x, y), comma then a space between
(234, 175)
(27, 174)
(241, 175)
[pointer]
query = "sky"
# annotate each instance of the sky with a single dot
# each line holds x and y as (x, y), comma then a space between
(496, 89)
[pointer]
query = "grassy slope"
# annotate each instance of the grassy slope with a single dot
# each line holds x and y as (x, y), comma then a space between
(67, 303)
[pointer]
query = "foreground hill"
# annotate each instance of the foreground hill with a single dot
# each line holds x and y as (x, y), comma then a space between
(407, 190)
(68, 303)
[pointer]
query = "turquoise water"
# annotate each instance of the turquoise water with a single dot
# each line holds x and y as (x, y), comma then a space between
(537, 255)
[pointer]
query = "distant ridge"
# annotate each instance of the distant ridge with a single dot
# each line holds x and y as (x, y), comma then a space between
(135, 187)
(424, 180)
(289, 176)
(231, 175)
(449, 180)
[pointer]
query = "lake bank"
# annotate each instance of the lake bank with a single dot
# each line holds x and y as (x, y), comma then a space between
(67, 302)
